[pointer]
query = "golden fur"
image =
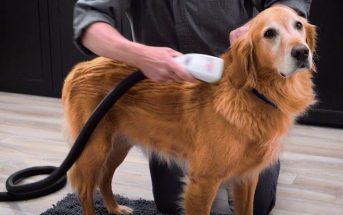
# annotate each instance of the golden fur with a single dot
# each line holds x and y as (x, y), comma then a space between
(223, 131)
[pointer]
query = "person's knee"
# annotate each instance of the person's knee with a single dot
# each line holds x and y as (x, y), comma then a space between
(167, 206)
(168, 200)
(265, 195)
(167, 186)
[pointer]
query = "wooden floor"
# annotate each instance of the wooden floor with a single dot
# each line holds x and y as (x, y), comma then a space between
(311, 180)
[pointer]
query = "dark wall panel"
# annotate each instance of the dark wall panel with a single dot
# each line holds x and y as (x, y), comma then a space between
(328, 18)
(64, 53)
(24, 40)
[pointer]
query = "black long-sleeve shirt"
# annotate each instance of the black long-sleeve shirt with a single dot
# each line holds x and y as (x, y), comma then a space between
(198, 26)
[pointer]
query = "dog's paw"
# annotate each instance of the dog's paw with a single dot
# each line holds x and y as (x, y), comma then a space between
(122, 210)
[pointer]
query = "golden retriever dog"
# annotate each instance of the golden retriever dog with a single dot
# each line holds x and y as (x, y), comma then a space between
(225, 132)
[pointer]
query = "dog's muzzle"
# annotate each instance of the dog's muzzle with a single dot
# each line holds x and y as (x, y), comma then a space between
(301, 53)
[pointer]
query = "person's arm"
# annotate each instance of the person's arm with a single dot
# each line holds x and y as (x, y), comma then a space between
(95, 31)
(156, 63)
(301, 6)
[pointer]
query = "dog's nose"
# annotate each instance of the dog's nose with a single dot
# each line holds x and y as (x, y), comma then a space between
(300, 52)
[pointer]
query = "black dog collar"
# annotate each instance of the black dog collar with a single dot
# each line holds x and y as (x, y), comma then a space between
(263, 98)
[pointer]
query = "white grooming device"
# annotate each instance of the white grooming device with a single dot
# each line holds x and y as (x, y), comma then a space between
(203, 67)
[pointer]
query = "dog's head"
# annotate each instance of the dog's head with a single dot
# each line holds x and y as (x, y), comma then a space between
(279, 43)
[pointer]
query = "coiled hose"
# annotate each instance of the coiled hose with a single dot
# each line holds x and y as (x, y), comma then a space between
(57, 175)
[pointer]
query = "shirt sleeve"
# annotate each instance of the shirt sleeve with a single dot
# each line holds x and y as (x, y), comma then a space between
(87, 12)
(301, 6)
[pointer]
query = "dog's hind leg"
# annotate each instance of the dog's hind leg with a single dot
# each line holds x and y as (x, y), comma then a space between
(120, 148)
(85, 172)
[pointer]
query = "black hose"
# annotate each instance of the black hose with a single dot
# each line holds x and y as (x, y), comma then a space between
(57, 176)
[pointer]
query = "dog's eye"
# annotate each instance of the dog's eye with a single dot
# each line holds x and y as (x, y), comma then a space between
(298, 25)
(270, 33)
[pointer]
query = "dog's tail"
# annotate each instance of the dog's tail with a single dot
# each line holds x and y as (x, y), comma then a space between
(75, 113)
(71, 116)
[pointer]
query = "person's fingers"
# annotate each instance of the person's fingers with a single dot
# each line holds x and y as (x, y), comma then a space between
(182, 73)
(235, 34)
(174, 76)
(173, 52)
(179, 71)
(168, 74)
(162, 66)
(169, 81)
(232, 37)
(246, 28)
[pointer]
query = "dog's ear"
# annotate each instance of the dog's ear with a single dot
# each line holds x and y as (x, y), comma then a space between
(242, 71)
(311, 40)
(311, 36)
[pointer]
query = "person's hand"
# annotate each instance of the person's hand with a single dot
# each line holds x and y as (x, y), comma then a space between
(157, 64)
(238, 32)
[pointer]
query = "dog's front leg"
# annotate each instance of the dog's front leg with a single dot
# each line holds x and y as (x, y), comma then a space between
(200, 194)
(243, 194)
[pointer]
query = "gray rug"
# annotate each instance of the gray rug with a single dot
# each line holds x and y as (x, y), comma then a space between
(70, 205)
